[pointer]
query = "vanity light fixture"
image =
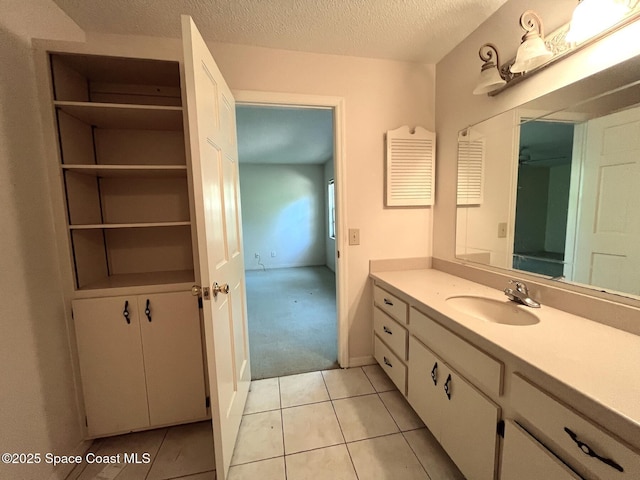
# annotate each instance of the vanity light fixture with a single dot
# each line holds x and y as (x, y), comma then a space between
(594, 16)
(591, 21)
(491, 78)
(532, 52)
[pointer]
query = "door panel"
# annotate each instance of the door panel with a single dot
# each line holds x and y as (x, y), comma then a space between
(111, 364)
(214, 168)
(171, 339)
(608, 220)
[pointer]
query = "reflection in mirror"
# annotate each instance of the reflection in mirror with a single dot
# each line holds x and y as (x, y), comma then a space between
(553, 189)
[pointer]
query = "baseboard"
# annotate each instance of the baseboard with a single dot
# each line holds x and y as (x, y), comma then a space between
(361, 361)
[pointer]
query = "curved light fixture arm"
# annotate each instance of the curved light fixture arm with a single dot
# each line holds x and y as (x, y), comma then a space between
(531, 23)
(487, 51)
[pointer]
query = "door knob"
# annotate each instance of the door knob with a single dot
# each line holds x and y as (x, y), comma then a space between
(224, 288)
(198, 291)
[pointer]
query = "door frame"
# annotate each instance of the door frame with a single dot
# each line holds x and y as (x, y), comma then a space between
(252, 97)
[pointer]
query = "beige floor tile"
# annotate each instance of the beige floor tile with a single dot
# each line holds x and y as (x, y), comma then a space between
(401, 411)
(310, 426)
(272, 469)
(140, 442)
(363, 417)
(198, 476)
(386, 458)
(347, 383)
(264, 395)
(380, 380)
(260, 437)
(432, 456)
(303, 389)
(332, 463)
(186, 449)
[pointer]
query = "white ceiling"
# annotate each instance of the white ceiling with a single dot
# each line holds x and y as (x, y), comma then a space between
(284, 135)
(410, 30)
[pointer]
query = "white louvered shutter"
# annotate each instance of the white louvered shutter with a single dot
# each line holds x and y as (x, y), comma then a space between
(470, 169)
(411, 167)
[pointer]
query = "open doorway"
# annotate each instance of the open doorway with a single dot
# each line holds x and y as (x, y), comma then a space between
(542, 202)
(287, 181)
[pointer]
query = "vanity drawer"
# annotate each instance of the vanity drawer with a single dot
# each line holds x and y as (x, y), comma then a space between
(464, 357)
(555, 424)
(394, 368)
(524, 458)
(390, 304)
(391, 332)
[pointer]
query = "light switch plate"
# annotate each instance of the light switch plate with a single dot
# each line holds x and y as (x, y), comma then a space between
(354, 236)
(502, 230)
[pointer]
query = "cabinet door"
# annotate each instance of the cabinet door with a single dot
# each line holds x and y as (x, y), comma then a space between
(524, 458)
(171, 340)
(468, 431)
(111, 365)
(425, 385)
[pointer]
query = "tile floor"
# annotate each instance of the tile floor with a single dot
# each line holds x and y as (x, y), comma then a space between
(332, 425)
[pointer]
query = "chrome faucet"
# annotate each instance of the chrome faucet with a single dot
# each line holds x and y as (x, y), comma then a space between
(520, 294)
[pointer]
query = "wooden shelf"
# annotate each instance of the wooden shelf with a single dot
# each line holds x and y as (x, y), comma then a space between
(129, 170)
(142, 279)
(124, 116)
(128, 225)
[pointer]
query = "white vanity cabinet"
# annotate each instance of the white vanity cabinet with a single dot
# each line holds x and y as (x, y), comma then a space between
(140, 361)
(524, 458)
(390, 316)
(419, 356)
(581, 444)
(461, 417)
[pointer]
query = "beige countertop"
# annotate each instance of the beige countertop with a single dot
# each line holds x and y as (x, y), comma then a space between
(598, 362)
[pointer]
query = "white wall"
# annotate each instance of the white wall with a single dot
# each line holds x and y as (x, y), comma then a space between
(330, 242)
(283, 212)
(457, 74)
(38, 410)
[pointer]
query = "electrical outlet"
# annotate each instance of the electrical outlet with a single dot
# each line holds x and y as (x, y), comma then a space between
(273, 253)
(354, 236)
(502, 230)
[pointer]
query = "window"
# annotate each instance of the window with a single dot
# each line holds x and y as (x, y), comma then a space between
(331, 205)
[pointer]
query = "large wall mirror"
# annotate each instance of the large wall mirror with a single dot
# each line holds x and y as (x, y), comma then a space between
(553, 187)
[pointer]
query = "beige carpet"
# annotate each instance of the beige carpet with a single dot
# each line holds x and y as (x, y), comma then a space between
(292, 321)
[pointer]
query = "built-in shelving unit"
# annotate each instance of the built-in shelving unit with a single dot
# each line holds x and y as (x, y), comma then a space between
(123, 170)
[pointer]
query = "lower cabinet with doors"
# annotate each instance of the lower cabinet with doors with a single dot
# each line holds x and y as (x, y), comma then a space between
(141, 361)
(461, 417)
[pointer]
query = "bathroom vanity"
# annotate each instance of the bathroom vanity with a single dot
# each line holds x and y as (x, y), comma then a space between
(510, 392)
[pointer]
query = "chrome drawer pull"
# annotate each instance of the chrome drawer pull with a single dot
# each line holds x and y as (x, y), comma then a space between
(387, 362)
(587, 450)
(386, 330)
(388, 302)
(434, 373)
(447, 387)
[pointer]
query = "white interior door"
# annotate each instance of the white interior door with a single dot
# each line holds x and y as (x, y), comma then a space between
(609, 218)
(214, 165)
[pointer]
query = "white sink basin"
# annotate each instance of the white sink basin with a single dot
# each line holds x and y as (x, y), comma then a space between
(505, 312)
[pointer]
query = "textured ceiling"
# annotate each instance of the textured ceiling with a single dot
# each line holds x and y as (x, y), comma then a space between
(410, 30)
(284, 135)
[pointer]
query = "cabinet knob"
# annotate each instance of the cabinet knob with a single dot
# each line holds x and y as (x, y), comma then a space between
(447, 387)
(125, 312)
(387, 362)
(388, 302)
(386, 330)
(434, 373)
